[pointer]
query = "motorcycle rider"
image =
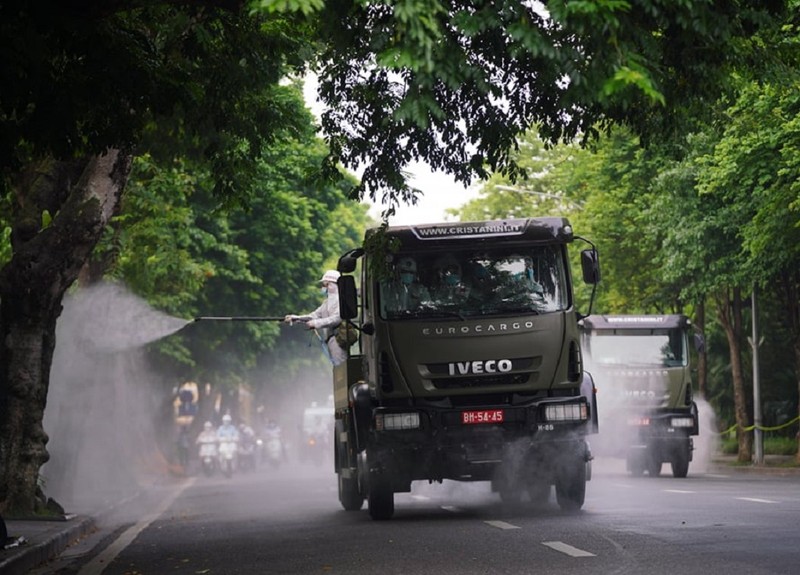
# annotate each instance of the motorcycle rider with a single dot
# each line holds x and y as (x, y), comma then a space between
(207, 440)
(183, 444)
(326, 317)
(228, 437)
(247, 447)
(275, 450)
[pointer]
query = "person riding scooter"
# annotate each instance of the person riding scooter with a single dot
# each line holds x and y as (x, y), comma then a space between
(274, 449)
(228, 437)
(247, 448)
(207, 440)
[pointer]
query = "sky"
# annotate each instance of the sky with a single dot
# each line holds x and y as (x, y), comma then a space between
(440, 191)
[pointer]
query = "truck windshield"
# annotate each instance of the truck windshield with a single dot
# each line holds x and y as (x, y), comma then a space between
(475, 283)
(653, 348)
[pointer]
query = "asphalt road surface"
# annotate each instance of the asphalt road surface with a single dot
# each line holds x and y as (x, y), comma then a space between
(289, 522)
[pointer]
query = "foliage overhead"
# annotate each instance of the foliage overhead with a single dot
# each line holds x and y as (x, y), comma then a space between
(457, 83)
(94, 76)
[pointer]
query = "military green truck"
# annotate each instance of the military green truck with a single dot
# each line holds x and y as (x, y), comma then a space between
(642, 369)
(468, 365)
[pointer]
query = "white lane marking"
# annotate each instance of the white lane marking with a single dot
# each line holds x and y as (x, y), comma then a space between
(501, 525)
(451, 508)
(99, 563)
(755, 500)
(567, 549)
(677, 491)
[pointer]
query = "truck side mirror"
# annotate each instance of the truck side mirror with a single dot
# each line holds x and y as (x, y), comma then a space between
(348, 297)
(590, 265)
(347, 263)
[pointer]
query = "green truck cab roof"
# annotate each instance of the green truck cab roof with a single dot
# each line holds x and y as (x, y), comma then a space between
(630, 322)
(549, 229)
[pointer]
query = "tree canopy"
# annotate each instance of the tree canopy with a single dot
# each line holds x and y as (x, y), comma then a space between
(457, 82)
(194, 95)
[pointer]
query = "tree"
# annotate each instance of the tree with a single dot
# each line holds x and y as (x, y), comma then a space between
(457, 83)
(77, 99)
(754, 171)
(451, 83)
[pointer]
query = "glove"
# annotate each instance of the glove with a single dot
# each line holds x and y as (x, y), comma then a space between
(289, 318)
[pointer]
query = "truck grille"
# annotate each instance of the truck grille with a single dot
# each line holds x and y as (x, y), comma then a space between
(480, 381)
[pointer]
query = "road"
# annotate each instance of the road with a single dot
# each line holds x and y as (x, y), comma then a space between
(289, 522)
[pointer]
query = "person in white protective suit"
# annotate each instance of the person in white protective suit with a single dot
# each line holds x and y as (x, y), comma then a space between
(325, 319)
(405, 293)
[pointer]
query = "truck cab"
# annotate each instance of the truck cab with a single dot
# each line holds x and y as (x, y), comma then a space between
(641, 364)
(468, 366)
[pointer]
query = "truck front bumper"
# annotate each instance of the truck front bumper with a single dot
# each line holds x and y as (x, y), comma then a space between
(437, 444)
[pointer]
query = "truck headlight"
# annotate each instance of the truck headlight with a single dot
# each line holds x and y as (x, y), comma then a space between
(566, 412)
(395, 421)
(682, 422)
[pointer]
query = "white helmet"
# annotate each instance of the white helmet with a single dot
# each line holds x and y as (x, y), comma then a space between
(226, 418)
(330, 276)
(207, 425)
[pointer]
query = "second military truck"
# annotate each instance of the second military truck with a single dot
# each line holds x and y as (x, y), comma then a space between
(641, 366)
(469, 364)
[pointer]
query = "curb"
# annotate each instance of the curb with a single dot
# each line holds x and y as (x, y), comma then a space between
(36, 555)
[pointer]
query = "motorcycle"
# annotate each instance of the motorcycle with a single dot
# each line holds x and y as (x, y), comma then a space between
(208, 457)
(227, 455)
(274, 451)
(247, 452)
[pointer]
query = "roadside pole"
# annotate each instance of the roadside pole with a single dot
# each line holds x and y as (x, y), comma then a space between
(754, 343)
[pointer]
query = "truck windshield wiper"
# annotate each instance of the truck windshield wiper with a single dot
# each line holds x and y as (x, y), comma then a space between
(439, 313)
(513, 309)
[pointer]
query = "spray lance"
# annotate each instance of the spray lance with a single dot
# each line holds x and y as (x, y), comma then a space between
(242, 318)
(292, 319)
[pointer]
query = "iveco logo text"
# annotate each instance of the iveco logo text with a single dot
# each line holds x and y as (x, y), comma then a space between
(490, 328)
(488, 366)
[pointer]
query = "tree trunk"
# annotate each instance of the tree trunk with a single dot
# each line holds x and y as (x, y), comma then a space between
(790, 290)
(80, 196)
(729, 309)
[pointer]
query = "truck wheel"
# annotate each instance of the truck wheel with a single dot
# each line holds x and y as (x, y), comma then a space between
(653, 465)
(510, 495)
(571, 485)
(380, 501)
(539, 492)
(635, 465)
(680, 462)
(349, 495)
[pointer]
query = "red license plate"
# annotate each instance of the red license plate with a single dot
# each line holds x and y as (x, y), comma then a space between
(482, 416)
(639, 421)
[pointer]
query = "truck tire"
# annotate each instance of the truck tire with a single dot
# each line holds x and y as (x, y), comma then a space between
(539, 493)
(380, 501)
(349, 495)
(571, 485)
(680, 462)
(653, 464)
(510, 495)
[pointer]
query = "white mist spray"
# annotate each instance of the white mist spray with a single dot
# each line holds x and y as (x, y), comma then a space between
(103, 401)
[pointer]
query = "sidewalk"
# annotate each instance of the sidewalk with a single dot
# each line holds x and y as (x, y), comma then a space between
(36, 541)
(39, 540)
(33, 542)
